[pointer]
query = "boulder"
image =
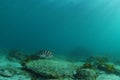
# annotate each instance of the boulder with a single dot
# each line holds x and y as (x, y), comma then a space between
(52, 68)
(108, 77)
(86, 74)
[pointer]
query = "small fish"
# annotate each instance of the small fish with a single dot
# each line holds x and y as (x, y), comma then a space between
(43, 54)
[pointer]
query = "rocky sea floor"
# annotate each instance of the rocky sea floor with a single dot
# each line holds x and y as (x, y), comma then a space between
(16, 65)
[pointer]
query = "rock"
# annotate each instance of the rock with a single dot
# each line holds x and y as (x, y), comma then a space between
(7, 72)
(15, 77)
(16, 56)
(86, 74)
(62, 79)
(108, 77)
(52, 68)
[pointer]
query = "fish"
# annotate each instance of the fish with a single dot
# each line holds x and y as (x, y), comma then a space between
(43, 54)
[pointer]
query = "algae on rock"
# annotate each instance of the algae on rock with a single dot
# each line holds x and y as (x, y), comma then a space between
(52, 68)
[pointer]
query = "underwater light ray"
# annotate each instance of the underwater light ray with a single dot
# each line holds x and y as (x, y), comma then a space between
(104, 6)
(103, 10)
(95, 6)
(112, 10)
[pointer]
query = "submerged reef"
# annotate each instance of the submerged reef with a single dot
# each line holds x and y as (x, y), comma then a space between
(43, 66)
(52, 68)
(16, 55)
(22, 57)
(10, 72)
(100, 63)
(108, 77)
(86, 74)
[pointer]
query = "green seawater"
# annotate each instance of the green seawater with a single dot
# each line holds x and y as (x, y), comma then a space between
(68, 27)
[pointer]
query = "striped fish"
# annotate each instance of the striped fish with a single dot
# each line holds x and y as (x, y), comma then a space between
(43, 54)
